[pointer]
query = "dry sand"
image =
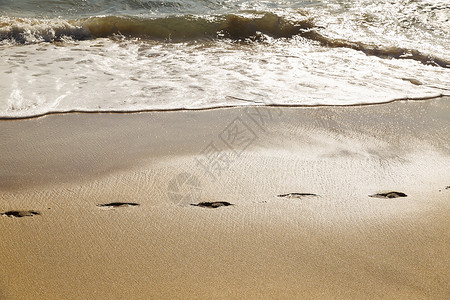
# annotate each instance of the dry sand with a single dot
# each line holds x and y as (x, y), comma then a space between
(339, 244)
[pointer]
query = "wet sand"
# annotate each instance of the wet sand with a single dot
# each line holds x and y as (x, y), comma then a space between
(98, 206)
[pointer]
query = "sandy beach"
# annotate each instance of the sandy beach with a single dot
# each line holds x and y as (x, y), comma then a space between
(98, 206)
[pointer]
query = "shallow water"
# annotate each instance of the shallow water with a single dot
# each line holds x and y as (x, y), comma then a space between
(130, 55)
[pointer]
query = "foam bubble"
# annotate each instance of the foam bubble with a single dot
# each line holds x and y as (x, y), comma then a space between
(131, 75)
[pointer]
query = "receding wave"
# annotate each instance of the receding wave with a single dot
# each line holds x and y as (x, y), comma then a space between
(383, 52)
(185, 28)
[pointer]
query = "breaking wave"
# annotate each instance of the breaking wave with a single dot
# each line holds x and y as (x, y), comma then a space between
(188, 28)
(26, 30)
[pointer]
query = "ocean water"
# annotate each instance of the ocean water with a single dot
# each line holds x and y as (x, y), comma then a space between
(130, 55)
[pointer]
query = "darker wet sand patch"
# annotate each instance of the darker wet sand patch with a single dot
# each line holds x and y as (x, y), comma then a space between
(212, 204)
(389, 195)
(296, 195)
(118, 204)
(20, 213)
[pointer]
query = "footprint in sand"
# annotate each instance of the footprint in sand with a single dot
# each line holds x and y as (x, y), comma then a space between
(20, 213)
(296, 195)
(446, 188)
(389, 195)
(118, 204)
(212, 204)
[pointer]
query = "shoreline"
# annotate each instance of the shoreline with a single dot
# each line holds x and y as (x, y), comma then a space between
(181, 109)
(113, 193)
